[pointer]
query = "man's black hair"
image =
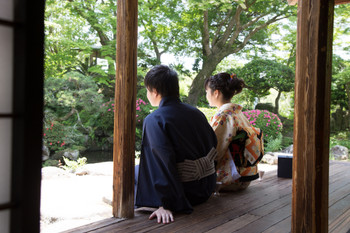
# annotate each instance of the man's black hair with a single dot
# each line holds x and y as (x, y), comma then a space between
(164, 80)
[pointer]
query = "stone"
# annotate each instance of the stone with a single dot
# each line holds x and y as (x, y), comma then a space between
(340, 152)
(288, 150)
(269, 158)
(72, 155)
(45, 153)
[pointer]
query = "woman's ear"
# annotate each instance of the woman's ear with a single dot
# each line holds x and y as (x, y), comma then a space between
(216, 93)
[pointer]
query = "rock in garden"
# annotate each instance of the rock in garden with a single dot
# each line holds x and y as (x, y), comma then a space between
(45, 153)
(269, 158)
(288, 150)
(340, 152)
(72, 155)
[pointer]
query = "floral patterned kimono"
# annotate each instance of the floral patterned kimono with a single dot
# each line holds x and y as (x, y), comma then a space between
(240, 146)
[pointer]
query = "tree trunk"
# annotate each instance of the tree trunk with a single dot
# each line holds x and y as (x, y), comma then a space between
(197, 87)
(277, 100)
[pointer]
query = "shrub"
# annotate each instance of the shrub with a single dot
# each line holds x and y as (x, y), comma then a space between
(58, 137)
(274, 144)
(268, 122)
(341, 138)
(71, 165)
(107, 117)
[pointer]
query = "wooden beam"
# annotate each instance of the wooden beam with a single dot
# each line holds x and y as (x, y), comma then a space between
(337, 2)
(125, 103)
(311, 120)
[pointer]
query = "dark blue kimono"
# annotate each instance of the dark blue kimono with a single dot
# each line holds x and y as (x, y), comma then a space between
(172, 133)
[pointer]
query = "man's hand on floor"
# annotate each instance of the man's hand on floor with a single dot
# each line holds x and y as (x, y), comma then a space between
(163, 215)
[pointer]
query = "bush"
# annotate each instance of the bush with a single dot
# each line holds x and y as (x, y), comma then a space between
(58, 137)
(265, 106)
(341, 138)
(71, 111)
(107, 118)
(268, 122)
(274, 144)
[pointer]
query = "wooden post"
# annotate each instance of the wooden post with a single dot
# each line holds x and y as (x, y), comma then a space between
(311, 120)
(125, 113)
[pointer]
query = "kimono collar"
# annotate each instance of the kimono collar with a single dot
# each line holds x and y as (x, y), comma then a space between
(169, 99)
(231, 106)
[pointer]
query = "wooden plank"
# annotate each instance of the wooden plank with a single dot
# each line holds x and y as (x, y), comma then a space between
(282, 226)
(311, 121)
(341, 224)
(338, 208)
(125, 102)
(95, 226)
(228, 206)
(207, 212)
(268, 220)
(235, 224)
(265, 205)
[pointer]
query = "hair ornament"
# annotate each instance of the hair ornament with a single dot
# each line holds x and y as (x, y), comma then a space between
(232, 76)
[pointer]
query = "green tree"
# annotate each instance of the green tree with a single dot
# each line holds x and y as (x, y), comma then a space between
(100, 21)
(341, 42)
(260, 75)
(225, 27)
(159, 23)
(67, 43)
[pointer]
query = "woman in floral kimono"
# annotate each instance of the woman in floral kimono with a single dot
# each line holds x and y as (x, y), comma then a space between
(240, 145)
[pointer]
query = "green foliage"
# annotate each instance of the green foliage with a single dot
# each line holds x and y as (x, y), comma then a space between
(107, 118)
(71, 165)
(262, 74)
(274, 144)
(229, 27)
(160, 22)
(72, 110)
(266, 106)
(286, 141)
(51, 163)
(341, 30)
(67, 43)
(341, 138)
(58, 137)
(208, 112)
(268, 122)
(340, 95)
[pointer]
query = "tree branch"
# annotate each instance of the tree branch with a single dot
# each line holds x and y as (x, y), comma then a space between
(205, 32)
(93, 23)
(252, 33)
(220, 25)
(234, 21)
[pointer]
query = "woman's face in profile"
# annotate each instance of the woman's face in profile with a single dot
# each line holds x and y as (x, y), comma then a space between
(210, 96)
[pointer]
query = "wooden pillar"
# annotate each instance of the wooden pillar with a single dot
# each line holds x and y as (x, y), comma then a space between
(312, 110)
(125, 113)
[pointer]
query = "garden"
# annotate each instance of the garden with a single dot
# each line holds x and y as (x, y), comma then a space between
(195, 38)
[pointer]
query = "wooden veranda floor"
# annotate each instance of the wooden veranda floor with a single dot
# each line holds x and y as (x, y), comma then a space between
(264, 207)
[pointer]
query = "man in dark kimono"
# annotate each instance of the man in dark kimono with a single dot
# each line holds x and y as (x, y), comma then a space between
(176, 168)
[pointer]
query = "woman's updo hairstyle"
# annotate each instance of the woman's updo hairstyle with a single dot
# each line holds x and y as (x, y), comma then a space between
(228, 85)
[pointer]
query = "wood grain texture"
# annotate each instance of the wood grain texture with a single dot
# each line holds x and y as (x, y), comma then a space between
(311, 120)
(125, 101)
(337, 2)
(264, 207)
